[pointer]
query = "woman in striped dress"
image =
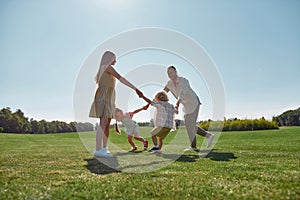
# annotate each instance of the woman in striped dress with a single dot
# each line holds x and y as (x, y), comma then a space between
(103, 106)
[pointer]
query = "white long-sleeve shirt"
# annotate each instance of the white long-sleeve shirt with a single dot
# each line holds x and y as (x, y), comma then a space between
(182, 91)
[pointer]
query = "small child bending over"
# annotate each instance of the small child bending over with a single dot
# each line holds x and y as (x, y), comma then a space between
(131, 127)
(163, 119)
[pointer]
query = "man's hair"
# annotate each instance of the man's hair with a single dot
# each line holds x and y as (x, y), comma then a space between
(172, 67)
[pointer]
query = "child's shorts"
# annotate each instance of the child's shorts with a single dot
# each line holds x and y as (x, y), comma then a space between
(161, 132)
(132, 130)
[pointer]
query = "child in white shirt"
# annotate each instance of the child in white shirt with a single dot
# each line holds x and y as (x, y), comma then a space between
(131, 127)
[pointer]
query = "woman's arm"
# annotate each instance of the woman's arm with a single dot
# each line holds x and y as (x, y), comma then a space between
(147, 100)
(113, 72)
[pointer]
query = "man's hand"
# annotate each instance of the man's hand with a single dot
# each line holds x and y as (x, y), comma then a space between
(177, 105)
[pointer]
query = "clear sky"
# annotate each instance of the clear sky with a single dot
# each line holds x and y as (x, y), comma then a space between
(255, 45)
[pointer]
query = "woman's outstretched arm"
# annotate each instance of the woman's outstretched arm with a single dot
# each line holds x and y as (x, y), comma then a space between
(147, 100)
(123, 80)
(113, 72)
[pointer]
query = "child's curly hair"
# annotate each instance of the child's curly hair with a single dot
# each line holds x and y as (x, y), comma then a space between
(118, 110)
(161, 96)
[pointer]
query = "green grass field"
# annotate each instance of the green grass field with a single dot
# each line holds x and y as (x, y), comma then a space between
(242, 165)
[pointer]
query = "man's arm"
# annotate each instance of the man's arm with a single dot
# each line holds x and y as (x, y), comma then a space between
(184, 86)
(183, 89)
(166, 89)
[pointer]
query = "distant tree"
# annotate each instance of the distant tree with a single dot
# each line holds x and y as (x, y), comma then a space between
(288, 118)
(41, 126)
(53, 127)
(6, 118)
(73, 126)
(96, 125)
(23, 123)
(14, 122)
(143, 123)
(82, 127)
(151, 123)
(17, 123)
(238, 125)
(34, 126)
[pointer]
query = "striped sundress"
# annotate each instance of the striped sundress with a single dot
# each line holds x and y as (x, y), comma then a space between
(104, 101)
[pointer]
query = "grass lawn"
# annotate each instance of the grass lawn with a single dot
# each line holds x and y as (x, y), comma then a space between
(242, 165)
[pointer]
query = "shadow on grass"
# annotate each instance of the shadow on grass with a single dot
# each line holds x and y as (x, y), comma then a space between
(95, 166)
(126, 153)
(102, 166)
(212, 155)
(181, 158)
(220, 156)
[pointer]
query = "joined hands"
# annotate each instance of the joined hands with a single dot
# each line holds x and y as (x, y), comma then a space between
(139, 93)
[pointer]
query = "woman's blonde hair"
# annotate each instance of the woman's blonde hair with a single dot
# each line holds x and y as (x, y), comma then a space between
(161, 96)
(106, 60)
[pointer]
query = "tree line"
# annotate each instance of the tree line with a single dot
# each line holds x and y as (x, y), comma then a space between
(16, 122)
(239, 125)
(288, 118)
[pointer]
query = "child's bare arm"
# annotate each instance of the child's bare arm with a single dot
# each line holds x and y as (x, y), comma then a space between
(143, 108)
(118, 131)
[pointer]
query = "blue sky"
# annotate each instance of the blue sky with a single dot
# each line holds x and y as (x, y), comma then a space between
(254, 44)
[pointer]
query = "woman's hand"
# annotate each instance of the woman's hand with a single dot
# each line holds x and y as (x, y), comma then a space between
(139, 93)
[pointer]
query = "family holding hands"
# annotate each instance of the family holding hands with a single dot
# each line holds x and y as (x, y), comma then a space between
(103, 107)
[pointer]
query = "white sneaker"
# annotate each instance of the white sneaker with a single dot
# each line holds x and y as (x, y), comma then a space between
(106, 150)
(191, 149)
(102, 153)
(209, 139)
(156, 151)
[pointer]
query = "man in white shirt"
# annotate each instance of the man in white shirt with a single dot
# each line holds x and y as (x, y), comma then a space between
(186, 96)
